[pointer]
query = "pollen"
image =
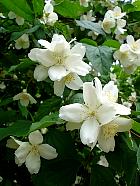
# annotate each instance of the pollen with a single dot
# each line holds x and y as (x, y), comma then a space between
(69, 78)
(109, 130)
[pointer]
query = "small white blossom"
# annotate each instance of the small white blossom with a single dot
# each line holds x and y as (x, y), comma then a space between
(49, 17)
(22, 42)
(19, 20)
(30, 152)
(103, 161)
(24, 98)
(58, 59)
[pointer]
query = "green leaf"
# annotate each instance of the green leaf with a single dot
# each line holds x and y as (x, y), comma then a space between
(136, 126)
(7, 116)
(112, 43)
(91, 26)
(69, 9)
(88, 41)
(102, 176)
(21, 8)
(6, 101)
(101, 58)
(38, 6)
(138, 157)
(46, 122)
(23, 65)
(19, 128)
(49, 105)
(23, 110)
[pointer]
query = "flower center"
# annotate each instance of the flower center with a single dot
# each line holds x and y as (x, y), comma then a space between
(69, 78)
(35, 149)
(24, 97)
(109, 130)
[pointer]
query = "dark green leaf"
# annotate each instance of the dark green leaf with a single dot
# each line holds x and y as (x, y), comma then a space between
(88, 41)
(136, 126)
(138, 157)
(69, 9)
(101, 58)
(19, 128)
(38, 6)
(112, 43)
(21, 8)
(46, 121)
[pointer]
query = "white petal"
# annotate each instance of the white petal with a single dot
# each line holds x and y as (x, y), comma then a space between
(17, 97)
(124, 124)
(105, 113)
(110, 91)
(33, 162)
(40, 73)
(121, 109)
(19, 20)
(46, 151)
(98, 86)
(79, 49)
(74, 112)
(22, 152)
(32, 100)
(11, 15)
(106, 144)
(89, 95)
(35, 137)
(48, 8)
(75, 83)
(130, 40)
(89, 132)
(59, 87)
(45, 43)
(75, 64)
(57, 72)
(43, 56)
(73, 126)
(24, 102)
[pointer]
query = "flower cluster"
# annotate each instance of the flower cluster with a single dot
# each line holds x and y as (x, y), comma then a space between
(19, 20)
(49, 17)
(129, 54)
(99, 116)
(113, 20)
(61, 63)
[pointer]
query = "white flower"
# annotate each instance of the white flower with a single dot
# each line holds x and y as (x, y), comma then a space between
(99, 109)
(133, 45)
(88, 16)
(117, 13)
(59, 58)
(130, 60)
(30, 152)
(19, 20)
(72, 81)
(24, 98)
(84, 3)
(40, 73)
(121, 23)
(93, 34)
(107, 24)
(107, 132)
(49, 17)
(22, 42)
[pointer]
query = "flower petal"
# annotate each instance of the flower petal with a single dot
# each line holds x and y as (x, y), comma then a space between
(106, 144)
(33, 162)
(43, 56)
(59, 87)
(35, 137)
(90, 96)
(89, 132)
(24, 102)
(106, 113)
(79, 49)
(32, 100)
(48, 152)
(22, 152)
(75, 82)
(40, 73)
(57, 72)
(121, 109)
(124, 124)
(130, 40)
(74, 112)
